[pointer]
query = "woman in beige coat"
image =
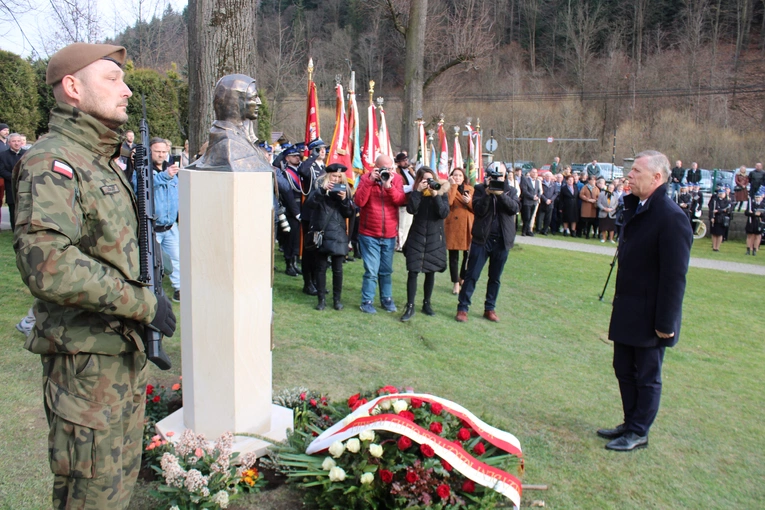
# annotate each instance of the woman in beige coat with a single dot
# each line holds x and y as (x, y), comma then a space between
(458, 225)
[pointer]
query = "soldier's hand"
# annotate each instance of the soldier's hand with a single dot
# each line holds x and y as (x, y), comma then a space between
(164, 319)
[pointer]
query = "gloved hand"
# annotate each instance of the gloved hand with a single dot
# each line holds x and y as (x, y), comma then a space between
(164, 320)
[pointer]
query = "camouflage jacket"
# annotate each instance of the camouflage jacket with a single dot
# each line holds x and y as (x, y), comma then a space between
(76, 240)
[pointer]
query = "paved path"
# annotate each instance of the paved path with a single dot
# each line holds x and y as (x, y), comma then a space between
(610, 249)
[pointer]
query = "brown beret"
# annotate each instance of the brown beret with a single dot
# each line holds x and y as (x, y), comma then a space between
(76, 56)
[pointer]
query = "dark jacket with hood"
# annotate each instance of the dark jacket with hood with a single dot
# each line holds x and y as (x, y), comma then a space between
(425, 247)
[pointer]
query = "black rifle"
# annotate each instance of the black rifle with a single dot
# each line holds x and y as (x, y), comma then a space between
(151, 265)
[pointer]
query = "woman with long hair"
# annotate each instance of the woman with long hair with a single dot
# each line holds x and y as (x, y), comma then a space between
(330, 203)
(425, 248)
(719, 216)
(755, 210)
(458, 225)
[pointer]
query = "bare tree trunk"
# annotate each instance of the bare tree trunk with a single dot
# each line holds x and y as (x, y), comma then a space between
(221, 40)
(413, 72)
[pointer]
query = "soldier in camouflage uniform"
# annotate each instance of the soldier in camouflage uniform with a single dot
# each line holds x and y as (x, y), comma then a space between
(76, 242)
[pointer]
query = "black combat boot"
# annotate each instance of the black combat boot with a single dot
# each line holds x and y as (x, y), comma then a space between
(322, 303)
(408, 312)
(295, 265)
(427, 309)
(290, 268)
(337, 289)
(309, 288)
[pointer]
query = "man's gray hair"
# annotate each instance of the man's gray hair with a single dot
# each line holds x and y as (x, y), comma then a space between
(656, 161)
(14, 135)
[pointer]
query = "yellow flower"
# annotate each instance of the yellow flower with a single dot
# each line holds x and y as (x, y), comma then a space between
(249, 481)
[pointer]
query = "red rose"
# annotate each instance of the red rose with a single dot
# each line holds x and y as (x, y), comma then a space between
(407, 415)
(436, 408)
(404, 443)
(302, 396)
(387, 389)
(463, 434)
(479, 449)
(427, 450)
(416, 403)
(358, 404)
(156, 399)
(443, 491)
(468, 486)
(411, 476)
(149, 389)
(386, 476)
(312, 402)
(353, 399)
(446, 465)
(436, 427)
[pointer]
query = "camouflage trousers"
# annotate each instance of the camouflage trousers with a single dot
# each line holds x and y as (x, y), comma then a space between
(95, 408)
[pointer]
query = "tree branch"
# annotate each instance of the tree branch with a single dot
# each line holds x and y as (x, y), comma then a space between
(441, 70)
(396, 18)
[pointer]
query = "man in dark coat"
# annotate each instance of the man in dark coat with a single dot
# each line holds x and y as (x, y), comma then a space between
(547, 206)
(530, 191)
(8, 160)
(654, 251)
(495, 204)
(676, 177)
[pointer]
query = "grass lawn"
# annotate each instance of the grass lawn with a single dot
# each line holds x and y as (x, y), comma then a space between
(544, 373)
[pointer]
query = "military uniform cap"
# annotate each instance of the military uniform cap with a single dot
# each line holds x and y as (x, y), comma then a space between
(76, 56)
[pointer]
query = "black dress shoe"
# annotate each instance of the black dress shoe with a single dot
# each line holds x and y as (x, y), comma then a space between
(628, 442)
(408, 313)
(427, 309)
(310, 289)
(613, 433)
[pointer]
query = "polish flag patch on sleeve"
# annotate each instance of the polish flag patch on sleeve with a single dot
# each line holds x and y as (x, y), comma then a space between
(63, 169)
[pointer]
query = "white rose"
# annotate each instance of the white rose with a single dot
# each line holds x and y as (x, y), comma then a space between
(353, 445)
(367, 435)
(328, 464)
(337, 449)
(376, 410)
(336, 474)
(376, 450)
(385, 405)
(367, 478)
(400, 405)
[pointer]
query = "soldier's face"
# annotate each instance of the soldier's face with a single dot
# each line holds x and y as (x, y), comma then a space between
(104, 95)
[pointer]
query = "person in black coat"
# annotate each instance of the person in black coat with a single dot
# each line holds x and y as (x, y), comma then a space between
(720, 208)
(569, 207)
(653, 256)
(755, 214)
(425, 247)
(495, 205)
(288, 183)
(329, 205)
(547, 201)
(8, 159)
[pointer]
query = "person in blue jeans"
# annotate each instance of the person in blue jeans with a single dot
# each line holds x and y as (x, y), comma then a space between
(379, 195)
(166, 208)
(495, 204)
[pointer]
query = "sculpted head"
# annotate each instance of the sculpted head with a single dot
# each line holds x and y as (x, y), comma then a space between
(236, 98)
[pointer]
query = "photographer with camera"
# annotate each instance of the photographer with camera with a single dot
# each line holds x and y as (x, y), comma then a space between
(379, 195)
(755, 210)
(328, 206)
(495, 204)
(425, 248)
(719, 216)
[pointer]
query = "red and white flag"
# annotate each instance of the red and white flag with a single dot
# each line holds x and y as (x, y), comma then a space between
(312, 112)
(443, 160)
(371, 143)
(384, 136)
(339, 151)
(457, 161)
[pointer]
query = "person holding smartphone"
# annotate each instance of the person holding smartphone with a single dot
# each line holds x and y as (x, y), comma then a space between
(458, 226)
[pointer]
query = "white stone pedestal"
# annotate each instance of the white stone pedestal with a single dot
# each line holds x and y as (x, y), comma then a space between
(226, 306)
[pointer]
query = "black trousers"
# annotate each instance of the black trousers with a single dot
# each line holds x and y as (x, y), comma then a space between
(638, 370)
(309, 258)
(457, 271)
(12, 214)
(527, 211)
(290, 241)
(411, 286)
(544, 217)
(322, 262)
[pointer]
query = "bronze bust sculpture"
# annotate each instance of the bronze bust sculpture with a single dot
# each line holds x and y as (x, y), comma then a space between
(232, 143)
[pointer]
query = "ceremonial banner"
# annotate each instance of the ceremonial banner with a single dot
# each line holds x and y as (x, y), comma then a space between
(422, 153)
(433, 161)
(339, 149)
(384, 135)
(478, 155)
(353, 133)
(312, 110)
(457, 160)
(371, 144)
(443, 161)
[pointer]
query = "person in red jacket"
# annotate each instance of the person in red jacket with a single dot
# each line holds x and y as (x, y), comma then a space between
(379, 195)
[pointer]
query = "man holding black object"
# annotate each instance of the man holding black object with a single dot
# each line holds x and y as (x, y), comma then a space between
(654, 251)
(495, 204)
(76, 242)
(530, 192)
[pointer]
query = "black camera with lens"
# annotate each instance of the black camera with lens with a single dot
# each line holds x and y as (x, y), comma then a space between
(434, 184)
(385, 174)
(493, 173)
(336, 190)
(495, 184)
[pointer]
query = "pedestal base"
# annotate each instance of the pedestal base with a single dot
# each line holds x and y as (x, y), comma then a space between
(281, 420)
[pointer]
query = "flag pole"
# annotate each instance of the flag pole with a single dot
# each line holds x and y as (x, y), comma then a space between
(371, 92)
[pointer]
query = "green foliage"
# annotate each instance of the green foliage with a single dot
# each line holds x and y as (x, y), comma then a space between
(45, 99)
(181, 85)
(162, 108)
(18, 94)
(264, 120)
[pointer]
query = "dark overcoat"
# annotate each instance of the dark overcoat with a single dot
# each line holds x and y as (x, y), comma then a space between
(425, 247)
(653, 256)
(487, 206)
(328, 214)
